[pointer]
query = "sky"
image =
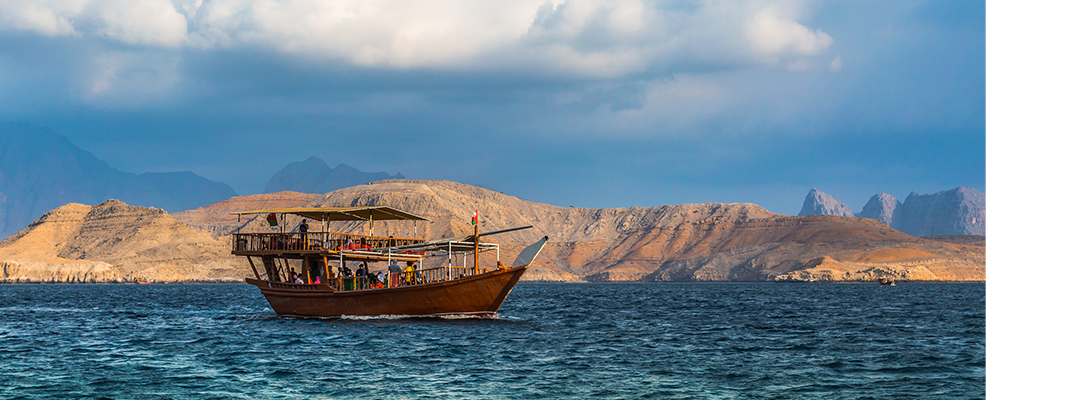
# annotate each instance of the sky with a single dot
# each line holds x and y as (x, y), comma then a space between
(586, 104)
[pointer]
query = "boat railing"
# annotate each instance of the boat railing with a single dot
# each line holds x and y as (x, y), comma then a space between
(333, 241)
(348, 241)
(398, 279)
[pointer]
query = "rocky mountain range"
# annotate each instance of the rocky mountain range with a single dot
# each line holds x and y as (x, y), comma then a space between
(314, 176)
(685, 242)
(41, 170)
(959, 211)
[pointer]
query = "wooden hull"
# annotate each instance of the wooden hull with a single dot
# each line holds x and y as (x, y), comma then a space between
(479, 295)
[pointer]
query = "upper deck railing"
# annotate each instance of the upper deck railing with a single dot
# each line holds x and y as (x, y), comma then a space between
(313, 241)
(387, 280)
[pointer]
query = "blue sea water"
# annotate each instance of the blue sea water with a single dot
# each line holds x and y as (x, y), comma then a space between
(596, 340)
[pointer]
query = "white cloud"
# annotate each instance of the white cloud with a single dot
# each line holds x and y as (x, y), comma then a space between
(143, 22)
(835, 65)
(774, 32)
(49, 18)
(596, 38)
(140, 22)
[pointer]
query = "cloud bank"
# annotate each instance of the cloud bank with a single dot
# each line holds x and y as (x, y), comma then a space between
(588, 39)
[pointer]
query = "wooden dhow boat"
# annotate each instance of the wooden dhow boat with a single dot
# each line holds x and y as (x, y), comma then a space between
(328, 274)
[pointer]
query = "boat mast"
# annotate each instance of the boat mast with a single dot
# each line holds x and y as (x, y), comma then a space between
(476, 242)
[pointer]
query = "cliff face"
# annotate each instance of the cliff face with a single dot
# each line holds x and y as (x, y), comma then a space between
(819, 203)
(40, 170)
(114, 242)
(960, 211)
(314, 176)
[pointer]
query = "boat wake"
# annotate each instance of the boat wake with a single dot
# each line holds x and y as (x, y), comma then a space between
(478, 316)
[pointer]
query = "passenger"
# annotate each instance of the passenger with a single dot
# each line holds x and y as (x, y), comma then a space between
(361, 276)
(361, 273)
(303, 229)
(394, 273)
(418, 274)
(409, 274)
(297, 280)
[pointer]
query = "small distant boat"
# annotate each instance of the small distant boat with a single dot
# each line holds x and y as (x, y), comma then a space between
(886, 282)
(143, 280)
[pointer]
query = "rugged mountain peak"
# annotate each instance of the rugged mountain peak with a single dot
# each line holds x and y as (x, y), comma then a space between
(819, 203)
(314, 176)
(881, 207)
(959, 211)
(41, 170)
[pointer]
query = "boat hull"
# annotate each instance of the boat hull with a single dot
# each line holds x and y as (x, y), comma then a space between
(479, 295)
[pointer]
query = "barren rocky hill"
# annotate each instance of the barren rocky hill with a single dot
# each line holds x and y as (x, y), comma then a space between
(114, 242)
(685, 242)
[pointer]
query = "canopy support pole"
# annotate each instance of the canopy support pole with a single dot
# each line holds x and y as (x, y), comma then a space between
(307, 270)
(253, 265)
(288, 270)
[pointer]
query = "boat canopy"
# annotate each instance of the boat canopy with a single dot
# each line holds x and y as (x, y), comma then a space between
(371, 213)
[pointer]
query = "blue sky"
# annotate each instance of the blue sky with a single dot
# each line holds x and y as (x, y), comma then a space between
(591, 104)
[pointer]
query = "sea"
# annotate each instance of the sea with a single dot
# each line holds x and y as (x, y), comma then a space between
(549, 341)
